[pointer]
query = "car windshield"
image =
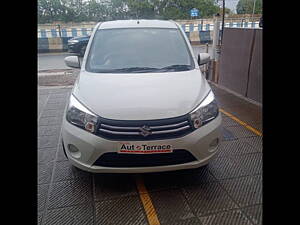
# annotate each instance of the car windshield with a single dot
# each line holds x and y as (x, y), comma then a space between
(139, 50)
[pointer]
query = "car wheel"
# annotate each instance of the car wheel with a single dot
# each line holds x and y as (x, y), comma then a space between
(82, 50)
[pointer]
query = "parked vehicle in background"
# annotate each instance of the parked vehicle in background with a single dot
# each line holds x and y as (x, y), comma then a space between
(78, 45)
(141, 103)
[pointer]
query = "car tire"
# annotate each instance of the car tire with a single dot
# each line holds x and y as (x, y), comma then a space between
(82, 50)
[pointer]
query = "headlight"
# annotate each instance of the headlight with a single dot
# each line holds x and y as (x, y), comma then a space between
(80, 116)
(73, 41)
(205, 112)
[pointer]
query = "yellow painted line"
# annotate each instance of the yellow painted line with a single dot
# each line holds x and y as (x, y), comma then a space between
(147, 203)
(241, 122)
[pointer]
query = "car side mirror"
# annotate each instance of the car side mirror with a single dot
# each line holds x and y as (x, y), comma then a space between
(203, 58)
(72, 61)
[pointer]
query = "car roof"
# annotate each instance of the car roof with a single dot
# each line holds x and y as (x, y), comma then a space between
(137, 24)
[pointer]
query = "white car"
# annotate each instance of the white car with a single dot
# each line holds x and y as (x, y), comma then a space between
(140, 103)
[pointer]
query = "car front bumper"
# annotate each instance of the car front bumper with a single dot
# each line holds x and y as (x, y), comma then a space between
(91, 147)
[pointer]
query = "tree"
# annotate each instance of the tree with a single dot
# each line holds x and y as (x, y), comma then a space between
(246, 7)
(49, 10)
(180, 9)
(101, 10)
(95, 11)
(141, 9)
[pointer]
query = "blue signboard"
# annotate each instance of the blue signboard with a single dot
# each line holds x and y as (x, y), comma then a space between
(194, 12)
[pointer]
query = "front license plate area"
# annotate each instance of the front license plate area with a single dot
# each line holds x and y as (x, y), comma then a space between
(143, 148)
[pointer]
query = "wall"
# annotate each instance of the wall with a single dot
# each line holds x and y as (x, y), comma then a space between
(85, 29)
(51, 40)
(233, 18)
(53, 44)
(241, 62)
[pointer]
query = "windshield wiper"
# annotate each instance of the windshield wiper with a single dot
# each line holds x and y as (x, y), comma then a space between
(177, 67)
(135, 69)
(146, 69)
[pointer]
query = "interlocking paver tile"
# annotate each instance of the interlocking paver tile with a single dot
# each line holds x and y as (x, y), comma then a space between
(250, 163)
(48, 121)
(190, 221)
(207, 198)
(52, 112)
(194, 177)
(70, 192)
(44, 173)
(39, 219)
(59, 95)
(228, 122)
(42, 100)
(225, 167)
(57, 100)
(255, 213)
(42, 196)
(45, 156)
(246, 114)
(208, 195)
(171, 206)
(224, 116)
(227, 134)
(245, 191)
(120, 211)
(50, 130)
(110, 186)
(256, 142)
(73, 215)
(55, 106)
(235, 147)
(65, 171)
(235, 217)
(48, 141)
(42, 91)
(240, 131)
(61, 90)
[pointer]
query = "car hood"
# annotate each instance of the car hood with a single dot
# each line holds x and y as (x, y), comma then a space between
(141, 96)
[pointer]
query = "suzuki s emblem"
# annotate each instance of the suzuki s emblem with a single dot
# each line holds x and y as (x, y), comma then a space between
(145, 131)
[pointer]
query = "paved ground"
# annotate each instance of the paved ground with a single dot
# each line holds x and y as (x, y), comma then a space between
(228, 191)
(49, 61)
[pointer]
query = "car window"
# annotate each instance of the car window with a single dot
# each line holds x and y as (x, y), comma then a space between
(139, 50)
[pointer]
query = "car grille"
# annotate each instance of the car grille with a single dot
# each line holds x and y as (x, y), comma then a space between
(141, 130)
(114, 159)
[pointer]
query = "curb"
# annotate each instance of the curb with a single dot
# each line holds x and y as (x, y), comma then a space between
(55, 87)
(55, 72)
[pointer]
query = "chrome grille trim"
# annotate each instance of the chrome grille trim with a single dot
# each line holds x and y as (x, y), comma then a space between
(138, 133)
(118, 128)
(134, 130)
(137, 128)
(170, 131)
(119, 132)
(169, 126)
